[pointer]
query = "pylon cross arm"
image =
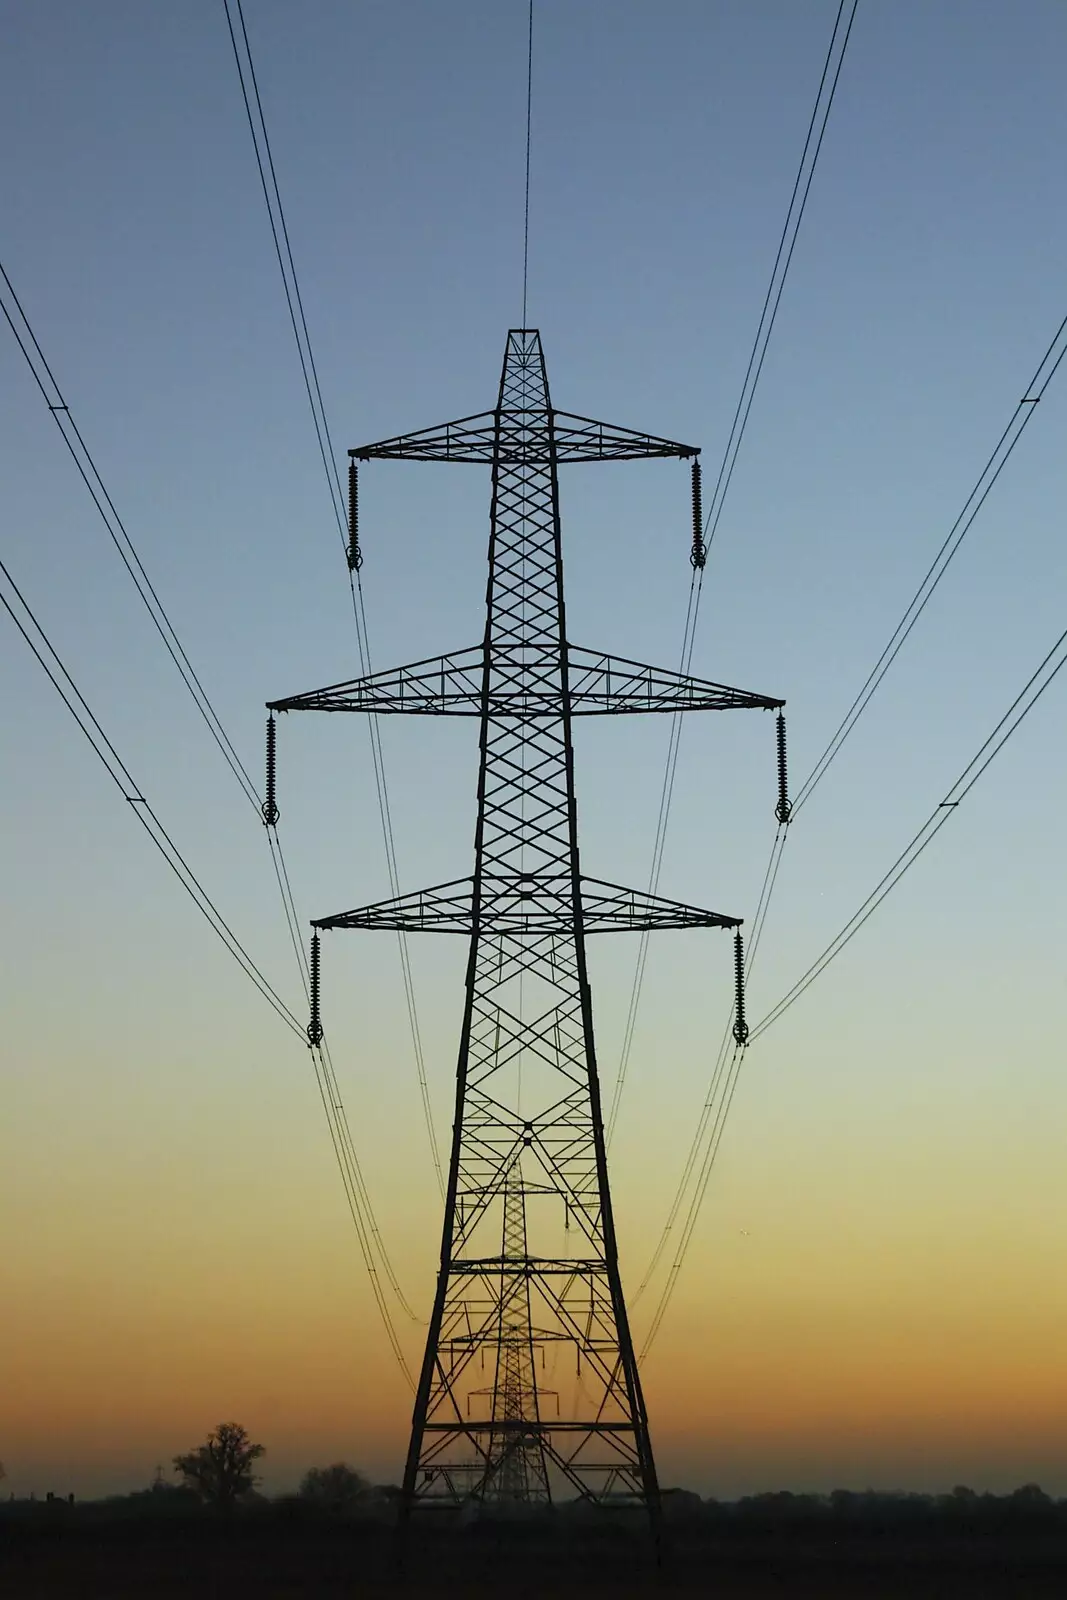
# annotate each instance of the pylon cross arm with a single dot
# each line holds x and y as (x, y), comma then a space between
(508, 905)
(584, 439)
(609, 908)
(606, 685)
(600, 684)
(467, 439)
(518, 437)
(447, 685)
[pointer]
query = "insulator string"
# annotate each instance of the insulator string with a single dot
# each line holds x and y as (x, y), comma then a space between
(698, 555)
(271, 814)
(740, 1028)
(315, 1024)
(355, 555)
(783, 809)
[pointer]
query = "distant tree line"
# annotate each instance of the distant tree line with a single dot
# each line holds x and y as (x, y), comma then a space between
(1027, 1509)
(221, 1473)
(219, 1476)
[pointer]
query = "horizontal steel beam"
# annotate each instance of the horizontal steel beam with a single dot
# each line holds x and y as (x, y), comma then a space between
(525, 908)
(520, 439)
(599, 684)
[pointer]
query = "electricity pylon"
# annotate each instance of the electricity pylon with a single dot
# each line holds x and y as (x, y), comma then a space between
(529, 1386)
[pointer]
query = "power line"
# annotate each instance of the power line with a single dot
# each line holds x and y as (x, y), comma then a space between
(526, 218)
(990, 748)
(356, 1191)
(45, 379)
(75, 702)
(293, 297)
(658, 847)
(798, 200)
(998, 459)
(722, 1111)
(1043, 375)
(294, 300)
(353, 1198)
(708, 1113)
(1025, 701)
(1035, 390)
(83, 460)
(713, 1117)
(357, 1196)
(59, 676)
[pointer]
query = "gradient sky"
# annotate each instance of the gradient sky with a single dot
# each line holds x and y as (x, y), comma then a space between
(875, 1292)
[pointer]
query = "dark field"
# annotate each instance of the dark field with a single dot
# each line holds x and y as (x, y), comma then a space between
(264, 1558)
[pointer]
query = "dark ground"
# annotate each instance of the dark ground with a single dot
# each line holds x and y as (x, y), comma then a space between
(72, 1558)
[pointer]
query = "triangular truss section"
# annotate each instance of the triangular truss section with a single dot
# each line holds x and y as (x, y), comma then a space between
(520, 905)
(505, 437)
(523, 685)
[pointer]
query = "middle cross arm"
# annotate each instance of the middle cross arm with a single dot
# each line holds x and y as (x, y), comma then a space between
(515, 904)
(599, 685)
(521, 440)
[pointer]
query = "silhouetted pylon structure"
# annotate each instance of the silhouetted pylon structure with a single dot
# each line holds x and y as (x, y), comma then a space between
(529, 1386)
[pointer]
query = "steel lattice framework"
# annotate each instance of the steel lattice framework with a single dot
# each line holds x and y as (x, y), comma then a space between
(529, 1387)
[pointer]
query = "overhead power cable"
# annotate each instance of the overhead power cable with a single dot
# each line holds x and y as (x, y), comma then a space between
(529, 125)
(47, 383)
(710, 1118)
(658, 846)
(348, 1162)
(268, 177)
(48, 659)
(1039, 681)
(718, 1114)
(998, 460)
(798, 200)
(358, 1204)
(83, 460)
(1017, 712)
(704, 1149)
(283, 250)
(34, 635)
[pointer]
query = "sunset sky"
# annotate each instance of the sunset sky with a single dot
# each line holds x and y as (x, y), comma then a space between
(875, 1293)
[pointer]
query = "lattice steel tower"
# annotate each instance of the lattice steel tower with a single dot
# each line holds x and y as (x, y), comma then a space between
(529, 1387)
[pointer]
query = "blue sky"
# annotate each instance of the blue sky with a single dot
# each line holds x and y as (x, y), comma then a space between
(920, 1078)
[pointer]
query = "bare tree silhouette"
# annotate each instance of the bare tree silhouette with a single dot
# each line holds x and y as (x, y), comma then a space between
(220, 1470)
(334, 1488)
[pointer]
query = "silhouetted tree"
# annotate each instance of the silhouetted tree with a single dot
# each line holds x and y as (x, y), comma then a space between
(334, 1488)
(1030, 1496)
(220, 1470)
